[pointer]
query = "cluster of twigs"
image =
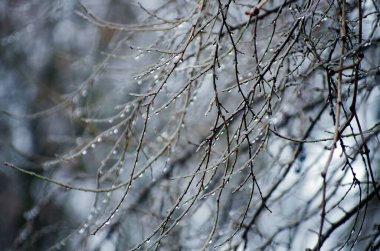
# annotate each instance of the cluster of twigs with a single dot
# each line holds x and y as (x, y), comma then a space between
(249, 115)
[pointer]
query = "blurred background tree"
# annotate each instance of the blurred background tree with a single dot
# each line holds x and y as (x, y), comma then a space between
(189, 125)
